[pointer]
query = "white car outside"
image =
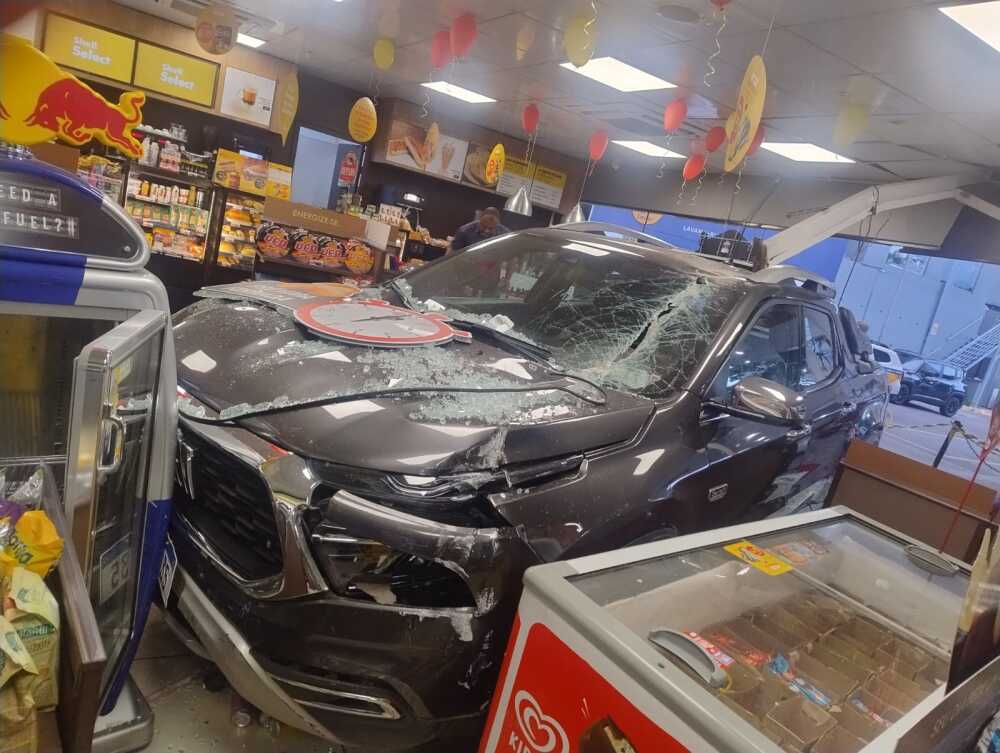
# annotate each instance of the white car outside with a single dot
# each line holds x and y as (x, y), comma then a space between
(888, 359)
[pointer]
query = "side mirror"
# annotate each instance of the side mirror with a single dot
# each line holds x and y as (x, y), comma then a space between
(770, 400)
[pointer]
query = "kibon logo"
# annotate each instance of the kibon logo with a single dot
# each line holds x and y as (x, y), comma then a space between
(539, 733)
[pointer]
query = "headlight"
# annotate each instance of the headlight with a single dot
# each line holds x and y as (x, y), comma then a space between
(371, 571)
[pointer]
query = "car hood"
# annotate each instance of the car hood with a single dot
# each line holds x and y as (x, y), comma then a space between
(237, 358)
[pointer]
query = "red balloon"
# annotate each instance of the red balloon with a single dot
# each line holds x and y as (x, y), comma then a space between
(463, 33)
(715, 138)
(694, 166)
(598, 145)
(758, 139)
(530, 117)
(441, 49)
(674, 115)
(720, 4)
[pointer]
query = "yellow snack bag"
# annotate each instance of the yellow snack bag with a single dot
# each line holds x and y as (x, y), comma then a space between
(35, 618)
(34, 544)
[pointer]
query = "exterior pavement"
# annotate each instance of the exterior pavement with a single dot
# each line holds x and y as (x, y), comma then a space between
(917, 432)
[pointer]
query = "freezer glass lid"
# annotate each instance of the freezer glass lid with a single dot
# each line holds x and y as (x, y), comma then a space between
(820, 636)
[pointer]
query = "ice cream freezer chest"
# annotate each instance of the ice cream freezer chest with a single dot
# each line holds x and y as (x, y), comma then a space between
(816, 633)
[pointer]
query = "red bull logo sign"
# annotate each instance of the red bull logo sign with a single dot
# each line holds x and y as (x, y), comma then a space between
(44, 102)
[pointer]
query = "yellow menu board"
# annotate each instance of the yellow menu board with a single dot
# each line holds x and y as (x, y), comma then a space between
(548, 187)
(87, 48)
(175, 74)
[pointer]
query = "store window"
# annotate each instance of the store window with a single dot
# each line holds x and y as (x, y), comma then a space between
(773, 348)
(913, 263)
(965, 274)
(820, 358)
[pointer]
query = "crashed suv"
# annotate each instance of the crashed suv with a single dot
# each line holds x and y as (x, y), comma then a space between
(363, 480)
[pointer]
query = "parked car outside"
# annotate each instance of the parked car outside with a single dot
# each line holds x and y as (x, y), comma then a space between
(936, 382)
(889, 360)
(353, 522)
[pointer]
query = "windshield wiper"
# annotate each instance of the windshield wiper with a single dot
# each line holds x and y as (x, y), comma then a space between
(531, 350)
(404, 297)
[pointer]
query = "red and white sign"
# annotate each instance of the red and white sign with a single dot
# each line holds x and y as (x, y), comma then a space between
(560, 704)
(377, 323)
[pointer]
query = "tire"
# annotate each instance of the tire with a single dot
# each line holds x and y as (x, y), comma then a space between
(951, 406)
(903, 398)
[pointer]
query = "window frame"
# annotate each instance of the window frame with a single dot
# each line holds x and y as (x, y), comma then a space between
(838, 350)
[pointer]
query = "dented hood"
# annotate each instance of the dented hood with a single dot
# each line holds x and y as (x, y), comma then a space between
(238, 358)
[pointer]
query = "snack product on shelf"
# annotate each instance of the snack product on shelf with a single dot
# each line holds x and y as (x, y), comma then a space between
(273, 241)
(332, 252)
(360, 258)
(304, 246)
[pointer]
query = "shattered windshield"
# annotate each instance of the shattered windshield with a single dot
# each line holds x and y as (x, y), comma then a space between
(625, 319)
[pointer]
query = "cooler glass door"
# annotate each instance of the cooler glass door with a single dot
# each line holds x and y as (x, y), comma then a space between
(819, 636)
(112, 414)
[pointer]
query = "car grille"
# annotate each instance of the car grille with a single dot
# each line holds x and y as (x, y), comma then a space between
(228, 502)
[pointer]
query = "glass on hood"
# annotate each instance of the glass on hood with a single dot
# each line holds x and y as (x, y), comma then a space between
(820, 636)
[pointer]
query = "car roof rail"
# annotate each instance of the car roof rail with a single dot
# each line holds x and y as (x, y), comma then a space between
(610, 230)
(787, 274)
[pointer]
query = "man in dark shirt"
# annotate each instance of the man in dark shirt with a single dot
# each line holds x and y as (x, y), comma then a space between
(487, 226)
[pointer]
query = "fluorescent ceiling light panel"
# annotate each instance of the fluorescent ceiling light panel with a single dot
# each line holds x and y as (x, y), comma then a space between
(246, 39)
(982, 19)
(618, 75)
(805, 152)
(458, 92)
(649, 149)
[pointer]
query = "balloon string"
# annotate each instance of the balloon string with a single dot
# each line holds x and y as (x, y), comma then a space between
(701, 181)
(425, 106)
(739, 177)
(722, 178)
(710, 72)
(663, 160)
(680, 196)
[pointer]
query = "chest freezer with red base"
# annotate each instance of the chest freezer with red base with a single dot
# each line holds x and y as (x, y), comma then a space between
(817, 633)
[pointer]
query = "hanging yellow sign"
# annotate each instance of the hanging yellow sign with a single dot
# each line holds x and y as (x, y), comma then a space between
(44, 102)
(749, 110)
(288, 105)
(495, 164)
(363, 121)
(175, 74)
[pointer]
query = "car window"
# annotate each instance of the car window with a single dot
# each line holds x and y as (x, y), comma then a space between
(930, 369)
(773, 348)
(950, 372)
(820, 356)
(882, 356)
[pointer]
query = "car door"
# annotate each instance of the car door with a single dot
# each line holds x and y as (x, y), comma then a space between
(758, 467)
(929, 382)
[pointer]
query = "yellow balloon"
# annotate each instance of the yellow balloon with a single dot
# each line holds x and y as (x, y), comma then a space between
(581, 36)
(384, 54)
(730, 124)
(851, 123)
(363, 121)
(495, 164)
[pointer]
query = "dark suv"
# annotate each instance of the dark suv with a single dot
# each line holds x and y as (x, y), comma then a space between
(354, 516)
(935, 382)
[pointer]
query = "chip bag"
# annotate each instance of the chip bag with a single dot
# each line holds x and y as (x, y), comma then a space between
(34, 612)
(34, 544)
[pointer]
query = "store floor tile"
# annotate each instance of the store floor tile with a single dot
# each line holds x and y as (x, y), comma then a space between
(190, 719)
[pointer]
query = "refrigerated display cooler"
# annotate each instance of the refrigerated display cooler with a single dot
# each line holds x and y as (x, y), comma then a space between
(816, 633)
(88, 392)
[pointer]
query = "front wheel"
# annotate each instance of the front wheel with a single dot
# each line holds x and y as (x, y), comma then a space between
(904, 395)
(951, 406)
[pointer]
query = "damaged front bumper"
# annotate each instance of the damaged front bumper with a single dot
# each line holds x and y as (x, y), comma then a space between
(368, 676)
